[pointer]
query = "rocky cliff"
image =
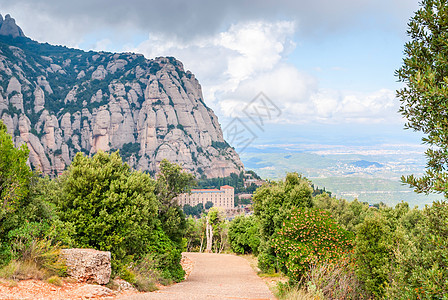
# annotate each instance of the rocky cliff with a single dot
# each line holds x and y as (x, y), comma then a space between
(60, 101)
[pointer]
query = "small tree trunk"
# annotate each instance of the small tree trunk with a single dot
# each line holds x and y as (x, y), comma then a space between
(222, 244)
(202, 243)
(209, 232)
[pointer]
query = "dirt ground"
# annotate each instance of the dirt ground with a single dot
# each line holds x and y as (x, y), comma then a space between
(214, 276)
(69, 290)
(209, 276)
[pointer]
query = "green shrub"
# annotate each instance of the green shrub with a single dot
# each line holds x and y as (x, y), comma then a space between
(308, 237)
(112, 208)
(272, 204)
(244, 235)
(165, 256)
(419, 269)
(348, 214)
(373, 254)
(127, 275)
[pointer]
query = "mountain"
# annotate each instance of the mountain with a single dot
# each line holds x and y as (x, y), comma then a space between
(366, 164)
(60, 101)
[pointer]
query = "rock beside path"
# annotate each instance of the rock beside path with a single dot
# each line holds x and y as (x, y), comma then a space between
(88, 265)
(93, 291)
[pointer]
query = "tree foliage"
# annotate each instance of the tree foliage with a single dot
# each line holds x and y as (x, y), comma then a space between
(272, 204)
(424, 99)
(15, 175)
(195, 234)
(195, 211)
(112, 208)
(309, 236)
(171, 182)
(244, 235)
(420, 266)
(348, 214)
(373, 253)
(26, 219)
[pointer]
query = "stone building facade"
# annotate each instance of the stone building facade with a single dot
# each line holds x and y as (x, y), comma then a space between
(223, 198)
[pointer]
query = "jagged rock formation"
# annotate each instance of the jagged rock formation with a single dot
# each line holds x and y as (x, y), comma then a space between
(60, 101)
(8, 27)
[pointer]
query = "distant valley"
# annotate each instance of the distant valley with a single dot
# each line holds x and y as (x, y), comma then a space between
(369, 173)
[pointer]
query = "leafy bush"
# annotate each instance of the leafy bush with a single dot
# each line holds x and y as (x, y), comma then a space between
(165, 255)
(419, 269)
(193, 210)
(347, 214)
(373, 254)
(272, 204)
(244, 235)
(112, 208)
(307, 237)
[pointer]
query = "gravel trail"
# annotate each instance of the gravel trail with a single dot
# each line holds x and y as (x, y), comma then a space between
(214, 276)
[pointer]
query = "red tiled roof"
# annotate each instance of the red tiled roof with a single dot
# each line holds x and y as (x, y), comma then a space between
(227, 187)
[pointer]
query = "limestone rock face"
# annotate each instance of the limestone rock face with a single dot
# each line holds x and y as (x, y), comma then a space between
(88, 265)
(8, 27)
(68, 101)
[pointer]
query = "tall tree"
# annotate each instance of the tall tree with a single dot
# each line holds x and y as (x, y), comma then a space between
(424, 98)
(15, 175)
(171, 182)
(112, 207)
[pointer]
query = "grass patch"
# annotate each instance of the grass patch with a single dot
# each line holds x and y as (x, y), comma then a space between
(40, 261)
(21, 270)
(271, 275)
(145, 284)
(113, 285)
(287, 292)
(55, 280)
(144, 276)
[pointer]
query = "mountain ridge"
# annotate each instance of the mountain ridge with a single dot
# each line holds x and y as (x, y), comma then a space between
(60, 101)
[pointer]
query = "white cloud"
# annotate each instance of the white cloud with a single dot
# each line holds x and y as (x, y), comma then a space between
(67, 22)
(301, 101)
(251, 57)
(223, 61)
(258, 46)
(332, 106)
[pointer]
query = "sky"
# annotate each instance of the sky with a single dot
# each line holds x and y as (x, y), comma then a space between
(323, 69)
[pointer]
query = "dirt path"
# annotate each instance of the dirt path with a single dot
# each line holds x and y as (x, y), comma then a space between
(214, 276)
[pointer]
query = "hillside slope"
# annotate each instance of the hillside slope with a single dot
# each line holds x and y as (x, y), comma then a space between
(60, 101)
